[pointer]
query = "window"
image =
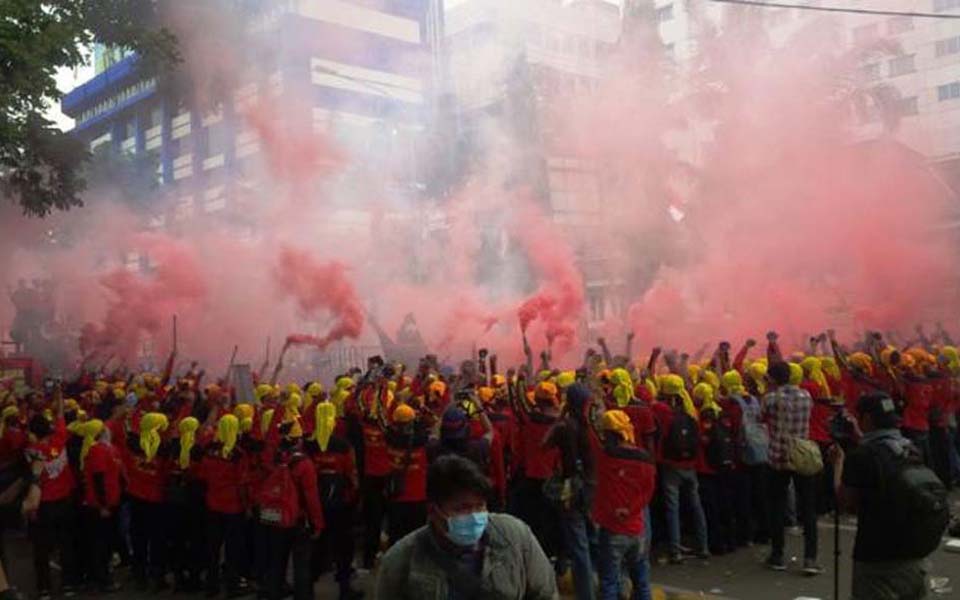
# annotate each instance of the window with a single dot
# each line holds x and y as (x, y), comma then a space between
(908, 106)
(948, 91)
(871, 71)
(944, 5)
(665, 13)
(948, 46)
(902, 65)
(865, 33)
(899, 24)
(597, 306)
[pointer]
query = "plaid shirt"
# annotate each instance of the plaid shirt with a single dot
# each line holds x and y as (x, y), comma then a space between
(787, 412)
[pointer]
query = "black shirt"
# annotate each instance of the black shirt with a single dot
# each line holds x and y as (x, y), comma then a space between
(867, 469)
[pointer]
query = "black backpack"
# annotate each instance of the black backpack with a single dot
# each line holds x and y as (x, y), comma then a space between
(683, 437)
(921, 504)
(721, 451)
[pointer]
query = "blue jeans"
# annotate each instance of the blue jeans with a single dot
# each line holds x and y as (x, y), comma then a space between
(683, 481)
(617, 552)
(577, 546)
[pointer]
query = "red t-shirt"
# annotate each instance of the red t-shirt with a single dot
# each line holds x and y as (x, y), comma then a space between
(820, 414)
(145, 480)
(941, 401)
(663, 413)
(916, 414)
(226, 481)
(538, 462)
(376, 459)
(338, 461)
(12, 445)
(415, 473)
(57, 480)
(102, 459)
(644, 423)
(626, 478)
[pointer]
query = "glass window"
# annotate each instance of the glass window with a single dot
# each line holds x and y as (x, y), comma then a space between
(665, 13)
(902, 65)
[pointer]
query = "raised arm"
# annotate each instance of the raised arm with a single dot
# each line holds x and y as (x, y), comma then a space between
(652, 361)
(741, 356)
(773, 348)
(629, 349)
(607, 357)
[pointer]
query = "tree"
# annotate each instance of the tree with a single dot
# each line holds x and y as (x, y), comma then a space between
(40, 166)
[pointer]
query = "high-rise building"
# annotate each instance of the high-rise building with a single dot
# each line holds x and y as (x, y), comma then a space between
(510, 63)
(355, 69)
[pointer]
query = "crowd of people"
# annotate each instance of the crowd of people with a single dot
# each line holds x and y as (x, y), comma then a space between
(451, 483)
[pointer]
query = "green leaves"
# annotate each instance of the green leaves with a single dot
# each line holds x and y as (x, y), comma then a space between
(39, 165)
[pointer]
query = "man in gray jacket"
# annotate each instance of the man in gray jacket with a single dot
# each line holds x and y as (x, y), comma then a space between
(465, 553)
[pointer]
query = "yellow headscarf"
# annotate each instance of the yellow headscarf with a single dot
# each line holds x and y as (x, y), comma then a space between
(796, 373)
(693, 372)
(188, 437)
(623, 387)
(758, 373)
(404, 414)
(952, 357)
(705, 394)
(546, 391)
(814, 371)
(651, 386)
(266, 419)
(732, 383)
(862, 361)
(228, 429)
(264, 390)
(244, 413)
(618, 422)
(8, 412)
(673, 385)
(830, 367)
(291, 407)
(343, 390)
(564, 380)
(151, 424)
(326, 422)
(709, 377)
(88, 430)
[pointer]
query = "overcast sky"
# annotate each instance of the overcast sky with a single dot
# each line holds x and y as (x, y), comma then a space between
(67, 79)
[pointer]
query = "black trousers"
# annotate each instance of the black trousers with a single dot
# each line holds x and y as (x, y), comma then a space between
(940, 455)
(374, 508)
(743, 518)
(282, 544)
(99, 532)
(188, 547)
(404, 518)
(542, 517)
(55, 530)
(717, 495)
(224, 531)
(759, 476)
(148, 535)
(806, 509)
(336, 545)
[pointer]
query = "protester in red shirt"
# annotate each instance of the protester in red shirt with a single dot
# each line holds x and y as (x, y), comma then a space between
(334, 460)
(224, 470)
(146, 471)
(290, 506)
(539, 463)
(53, 526)
(369, 405)
(407, 487)
(625, 483)
(101, 467)
(185, 503)
(677, 450)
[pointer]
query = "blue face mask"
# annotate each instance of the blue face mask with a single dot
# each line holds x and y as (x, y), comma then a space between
(466, 530)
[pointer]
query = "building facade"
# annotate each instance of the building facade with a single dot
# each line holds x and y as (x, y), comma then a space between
(355, 69)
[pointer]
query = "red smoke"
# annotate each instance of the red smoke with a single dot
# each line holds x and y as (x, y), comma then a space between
(143, 304)
(320, 286)
(559, 301)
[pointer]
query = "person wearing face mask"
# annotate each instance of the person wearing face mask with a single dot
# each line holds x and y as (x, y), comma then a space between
(464, 552)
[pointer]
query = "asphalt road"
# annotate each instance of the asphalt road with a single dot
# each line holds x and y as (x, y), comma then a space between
(740, 575)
